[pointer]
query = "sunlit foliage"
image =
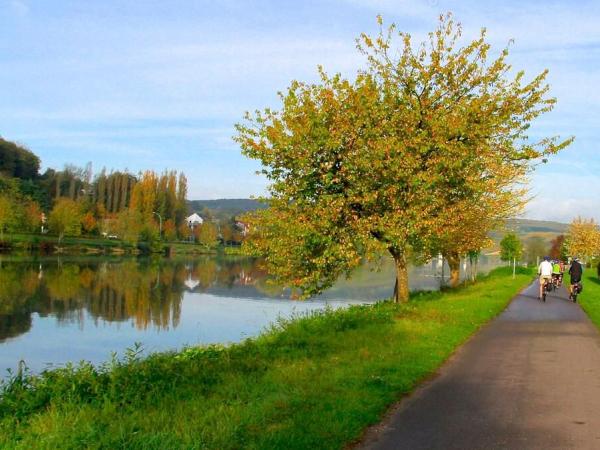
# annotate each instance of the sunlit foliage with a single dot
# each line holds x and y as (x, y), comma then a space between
(386, 162)
(583, 239)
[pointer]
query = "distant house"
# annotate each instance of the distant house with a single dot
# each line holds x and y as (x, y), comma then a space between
(194, 220)
(243, 227)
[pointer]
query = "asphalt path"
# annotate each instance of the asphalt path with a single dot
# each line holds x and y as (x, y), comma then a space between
(528, 380)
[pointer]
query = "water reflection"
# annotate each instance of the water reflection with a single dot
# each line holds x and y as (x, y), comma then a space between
(54, 310)
(148, 292)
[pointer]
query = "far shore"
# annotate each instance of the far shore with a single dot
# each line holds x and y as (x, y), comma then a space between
(51, 244)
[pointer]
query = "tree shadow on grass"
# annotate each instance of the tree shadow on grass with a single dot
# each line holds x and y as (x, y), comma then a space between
(594, 280)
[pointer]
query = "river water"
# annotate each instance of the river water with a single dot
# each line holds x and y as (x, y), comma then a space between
(59, 309)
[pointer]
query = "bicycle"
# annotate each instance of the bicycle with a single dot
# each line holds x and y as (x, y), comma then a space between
(547, 287)
(556, 281)
(577, 288)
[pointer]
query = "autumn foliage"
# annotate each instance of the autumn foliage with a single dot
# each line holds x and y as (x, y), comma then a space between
(424, 151)
(583, 239)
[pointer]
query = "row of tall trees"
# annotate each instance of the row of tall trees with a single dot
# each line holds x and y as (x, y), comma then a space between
(75, 202)
(131, 208)
(112, 192)
(425, 151)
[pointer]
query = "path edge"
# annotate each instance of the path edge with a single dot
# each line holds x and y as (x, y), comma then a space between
(370, 434)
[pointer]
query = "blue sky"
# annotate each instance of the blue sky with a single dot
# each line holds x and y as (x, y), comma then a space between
(159, 84)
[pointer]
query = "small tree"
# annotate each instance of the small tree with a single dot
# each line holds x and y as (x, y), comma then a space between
(184, 231)
(89, 223)
(32, 217)
(227, 232)
(65, 218)
(129, 226)
(511, 249)
(207, 234)
(558, 248)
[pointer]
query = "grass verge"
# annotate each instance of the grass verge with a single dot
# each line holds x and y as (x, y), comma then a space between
(590, 297)
(313, 382)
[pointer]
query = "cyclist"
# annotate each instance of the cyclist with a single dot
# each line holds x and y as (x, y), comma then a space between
(545, 273)
(576, 270)
(556, 272)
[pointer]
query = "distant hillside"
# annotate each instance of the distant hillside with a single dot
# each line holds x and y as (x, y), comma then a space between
(529, 231)
(526, 226)
(225, 206)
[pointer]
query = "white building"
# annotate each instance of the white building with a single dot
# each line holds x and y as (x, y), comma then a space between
(194, 220)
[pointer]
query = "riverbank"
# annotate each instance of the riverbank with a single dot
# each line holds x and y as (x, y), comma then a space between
(315, 382)
(99, 245)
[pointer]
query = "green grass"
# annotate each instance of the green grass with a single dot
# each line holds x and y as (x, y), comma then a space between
(20, 242)
(94, 244)
(590, 297)
(67, 240)
(313, 382)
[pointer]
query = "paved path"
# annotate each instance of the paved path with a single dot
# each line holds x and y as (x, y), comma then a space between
(528, 380)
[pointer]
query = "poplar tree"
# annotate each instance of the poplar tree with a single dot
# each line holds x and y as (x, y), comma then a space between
(101, 188)
(182, 208)
(110, 190)
(125, 179)
(117, 191)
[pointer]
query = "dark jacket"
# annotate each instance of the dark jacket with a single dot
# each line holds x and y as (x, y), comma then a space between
(575, 270)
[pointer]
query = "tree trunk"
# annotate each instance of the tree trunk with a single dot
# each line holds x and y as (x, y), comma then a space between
(401, 286)
(453, 259)
(472, 273)
(474, 259)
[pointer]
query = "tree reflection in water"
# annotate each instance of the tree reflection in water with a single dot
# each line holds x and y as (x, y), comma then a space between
(149, 292)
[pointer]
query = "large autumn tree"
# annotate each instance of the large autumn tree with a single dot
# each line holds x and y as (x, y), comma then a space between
(382, 163)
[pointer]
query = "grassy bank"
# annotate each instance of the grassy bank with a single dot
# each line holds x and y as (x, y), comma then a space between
(315, 382)
(590, 297)
(48, 242)
(96, 244)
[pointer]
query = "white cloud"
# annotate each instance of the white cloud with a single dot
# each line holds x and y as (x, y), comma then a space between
(563, 210)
